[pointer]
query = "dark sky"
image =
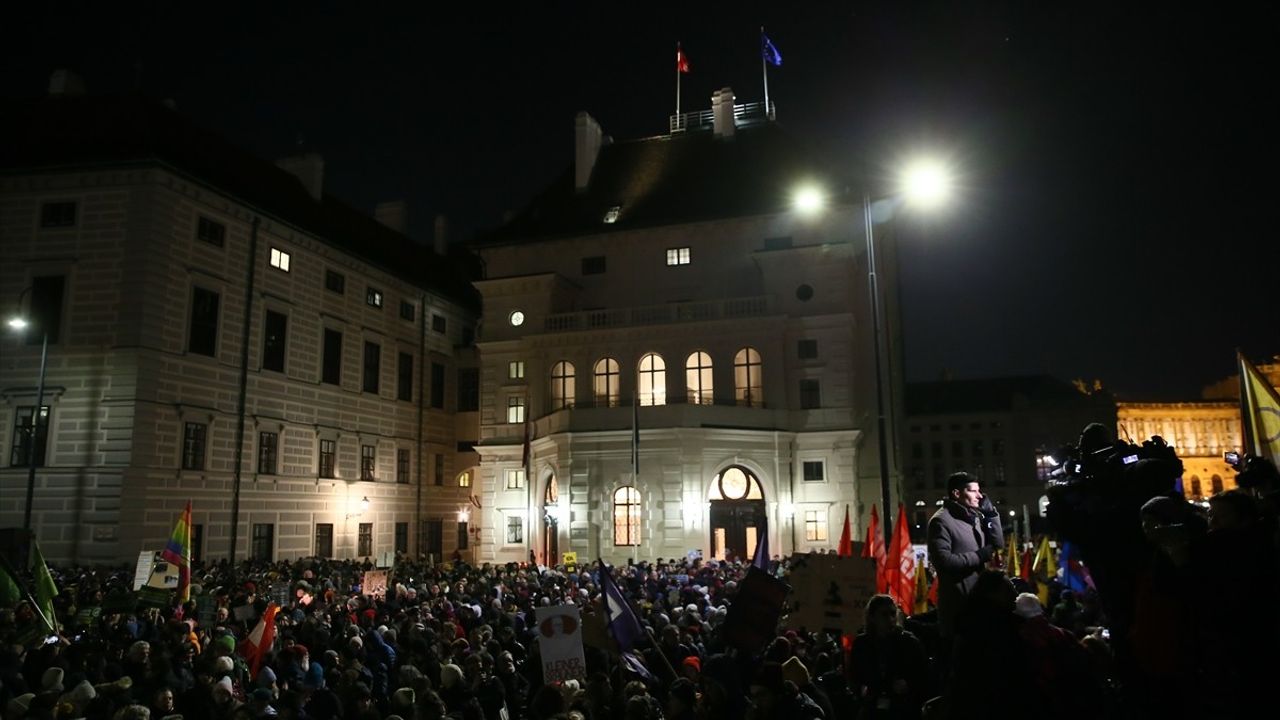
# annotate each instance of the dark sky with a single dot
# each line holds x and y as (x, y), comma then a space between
(1117, 163)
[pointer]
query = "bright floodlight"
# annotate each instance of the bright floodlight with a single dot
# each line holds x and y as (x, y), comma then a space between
(809, 200)
(926, 183)
(18, 323)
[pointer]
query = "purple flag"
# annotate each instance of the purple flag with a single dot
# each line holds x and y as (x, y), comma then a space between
(761, 557)
(623, 622)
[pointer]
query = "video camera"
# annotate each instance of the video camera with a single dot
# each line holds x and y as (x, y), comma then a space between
(1099, 464)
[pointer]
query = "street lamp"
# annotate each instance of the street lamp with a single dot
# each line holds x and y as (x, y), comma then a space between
(21, 324)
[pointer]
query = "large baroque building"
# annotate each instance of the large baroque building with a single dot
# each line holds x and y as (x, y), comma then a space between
(185, 286)
(665, 295)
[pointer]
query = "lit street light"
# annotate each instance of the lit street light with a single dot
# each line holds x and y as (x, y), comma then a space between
(22, 324)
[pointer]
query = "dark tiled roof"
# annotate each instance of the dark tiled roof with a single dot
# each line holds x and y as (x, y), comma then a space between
(997, 395)
(671, 179)
(83, 131)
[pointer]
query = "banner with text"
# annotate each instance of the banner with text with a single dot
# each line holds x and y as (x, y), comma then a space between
(560, 644)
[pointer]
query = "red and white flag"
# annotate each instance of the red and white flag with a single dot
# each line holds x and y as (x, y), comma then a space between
(874, 548)
(255, 647)
(902, 563)
(682, 60)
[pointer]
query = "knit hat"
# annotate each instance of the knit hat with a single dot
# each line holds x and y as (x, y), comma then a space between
(694, 662)
(261, 695)
(224, 665)
(79, 696)
(51, 681)
(403, 698)
(450, 675)
(356, 642)
(266, 676)
(226, 641)
(223, 685)
(795, 671)
(1027, 606)
(17, 707)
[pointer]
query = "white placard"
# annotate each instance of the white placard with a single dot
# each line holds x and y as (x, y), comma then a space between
(560, 644)
(146, 561)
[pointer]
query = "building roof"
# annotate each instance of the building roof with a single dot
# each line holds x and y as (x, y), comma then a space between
(671, 179)
(79, 131)
(996, 395)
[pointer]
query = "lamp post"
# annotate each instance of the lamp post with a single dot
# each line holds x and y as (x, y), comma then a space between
(21, 324)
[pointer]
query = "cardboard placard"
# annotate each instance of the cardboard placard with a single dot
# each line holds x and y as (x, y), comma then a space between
(829, 592)
(386, 558)
(280, 595)
(753, 616)
(142, 573)
(375, 584)
(560, 644)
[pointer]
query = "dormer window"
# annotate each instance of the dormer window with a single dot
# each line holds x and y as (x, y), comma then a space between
(611, 215)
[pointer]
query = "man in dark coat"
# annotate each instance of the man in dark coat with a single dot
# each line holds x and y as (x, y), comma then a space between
(963, 536)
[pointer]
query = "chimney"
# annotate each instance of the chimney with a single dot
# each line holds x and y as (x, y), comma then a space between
(442, 236)
(65, 82)
(586, 148)
(308, 168)
(722, 112)
(394, 214)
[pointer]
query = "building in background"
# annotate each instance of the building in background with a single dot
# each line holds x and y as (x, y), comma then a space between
(1004, 430)
(666, 291)
(135, 239)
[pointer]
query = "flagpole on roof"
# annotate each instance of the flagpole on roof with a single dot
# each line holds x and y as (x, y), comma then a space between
(764, 70)
(677, 82)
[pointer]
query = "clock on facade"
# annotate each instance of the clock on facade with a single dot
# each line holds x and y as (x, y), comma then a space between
(516, 318)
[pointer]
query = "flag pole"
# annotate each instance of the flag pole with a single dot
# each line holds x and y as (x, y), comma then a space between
(635, 462)
(764, 71)
(677, 83)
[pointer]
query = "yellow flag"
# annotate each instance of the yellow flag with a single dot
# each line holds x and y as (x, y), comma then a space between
(1014, 565)
(1260, 411)
(922, 589)
(1044, 561)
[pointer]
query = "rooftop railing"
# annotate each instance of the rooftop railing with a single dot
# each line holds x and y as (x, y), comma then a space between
(743, 115)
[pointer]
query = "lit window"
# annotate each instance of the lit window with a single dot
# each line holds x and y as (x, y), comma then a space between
(735, 483)
(653, 380)
(373, 297)
(697, 378)
(678, 256)
(626, 516)
(515, 370)
(515, 409)
(515, 529)
(611, 215)
(605, 382)
(815, 525)
(561, 385)
(279, 259)
(464, 479)
(515, 479)
(746, 378)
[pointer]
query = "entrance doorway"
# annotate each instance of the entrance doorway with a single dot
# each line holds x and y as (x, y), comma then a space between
(737, 514)
(551, 523)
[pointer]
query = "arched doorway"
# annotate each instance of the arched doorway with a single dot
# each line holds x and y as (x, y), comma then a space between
(551, 523)
(737, 514)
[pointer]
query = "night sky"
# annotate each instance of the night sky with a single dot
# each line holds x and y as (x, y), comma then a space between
(1118, 164)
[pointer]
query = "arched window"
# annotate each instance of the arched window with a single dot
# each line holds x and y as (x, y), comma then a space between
(561, 385)
(552, 495)
(653, 380)
(605, 383)
(736, 483)
(697, 378)
(626, 516)
(1216, 484)
(464, 478)
(746, 378)
(1195, 487)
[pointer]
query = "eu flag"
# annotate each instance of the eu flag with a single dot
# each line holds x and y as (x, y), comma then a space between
(771, 54)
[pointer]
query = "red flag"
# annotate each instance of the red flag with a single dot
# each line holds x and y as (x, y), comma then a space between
(874, 548)
(902, 563)
(682, 60)
(845, 549)
(255, 647)
(933, 591)
(1027, 561)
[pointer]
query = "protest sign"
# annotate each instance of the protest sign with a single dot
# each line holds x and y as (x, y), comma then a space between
(560, 644)
(829, 592)
(755, 611)
(386, 558)
(375, 583)
(280, 595)
(142, 573)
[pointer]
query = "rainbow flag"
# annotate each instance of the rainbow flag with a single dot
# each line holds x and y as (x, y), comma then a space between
(178, 552)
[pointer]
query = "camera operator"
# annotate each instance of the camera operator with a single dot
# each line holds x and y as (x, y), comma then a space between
(963, 537)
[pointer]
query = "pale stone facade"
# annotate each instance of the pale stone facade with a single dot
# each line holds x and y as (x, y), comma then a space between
(128, 398)
(1200, 432)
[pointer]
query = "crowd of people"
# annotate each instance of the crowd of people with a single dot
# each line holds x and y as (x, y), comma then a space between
(460, 641)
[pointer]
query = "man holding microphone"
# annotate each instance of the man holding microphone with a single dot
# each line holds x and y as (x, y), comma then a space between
(964, 535)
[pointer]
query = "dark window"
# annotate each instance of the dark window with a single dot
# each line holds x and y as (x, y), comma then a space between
(197, 542)
(468, 335)
(328, 451)
(917, 451)
(368, 461)
(402, 465)
(404, 377)
(407, 311)
(957, 448)
(335, 281)
(58, 214)
(268, 450)
(437, 385)
(264, 541)
(814, 471)
(402, 537)
(434, 538)
(997, 447)
(977, 448)
(440, 468)
(439, 323)
(372, 366)
(593, 265)
(810, 395)
(364, 547)
(274, 331)
(373, 297)
(935, 449)
(807, 349)
(204, 322)
(46, 308)
(324, 540)
(211, 231)
(193, 442)
(463, 538)
(331, 370)
(24, 454)
(468, 389)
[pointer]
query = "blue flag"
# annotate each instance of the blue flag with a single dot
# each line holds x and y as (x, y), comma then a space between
(760, 558)
(771, 54)
(623, 623)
